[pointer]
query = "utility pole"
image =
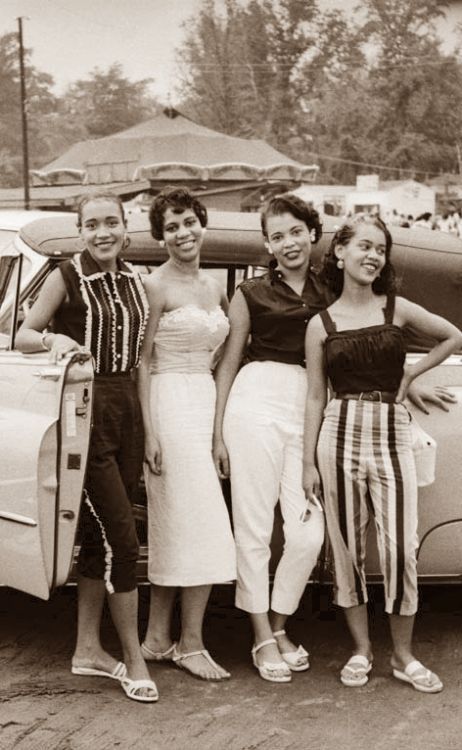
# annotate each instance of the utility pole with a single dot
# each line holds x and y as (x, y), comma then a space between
(25, 145)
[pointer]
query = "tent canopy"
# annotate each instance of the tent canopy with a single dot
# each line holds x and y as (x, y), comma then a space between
(171, 146)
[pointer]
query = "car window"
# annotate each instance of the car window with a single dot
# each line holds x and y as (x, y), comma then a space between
(6, 236)
(8, 279)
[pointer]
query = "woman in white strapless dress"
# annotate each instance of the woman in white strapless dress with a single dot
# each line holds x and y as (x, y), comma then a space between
(189, 533)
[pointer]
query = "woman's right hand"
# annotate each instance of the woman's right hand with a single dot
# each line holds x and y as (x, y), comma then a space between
(153, 454)
(60, 346)
(311, 483)
(220, 458)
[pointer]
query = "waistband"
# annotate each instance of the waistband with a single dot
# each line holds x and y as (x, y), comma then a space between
(386, 397)
(127, 375)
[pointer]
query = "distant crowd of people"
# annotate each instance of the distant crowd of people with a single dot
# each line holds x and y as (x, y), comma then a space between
(449, 221)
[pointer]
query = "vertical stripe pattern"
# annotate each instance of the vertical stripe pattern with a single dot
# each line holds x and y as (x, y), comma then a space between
(367, 469)
(116, 315)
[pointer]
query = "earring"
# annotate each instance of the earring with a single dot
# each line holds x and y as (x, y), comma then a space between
(340, 263)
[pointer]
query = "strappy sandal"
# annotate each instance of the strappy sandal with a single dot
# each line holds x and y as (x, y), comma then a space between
(356, 670)
(421, 678)
(131, 687)
(118, 673)
(271, 671)
(149, 655)
(179, 658)
(297, 660)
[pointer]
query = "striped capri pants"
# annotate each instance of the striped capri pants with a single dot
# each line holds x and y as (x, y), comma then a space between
(367, 466)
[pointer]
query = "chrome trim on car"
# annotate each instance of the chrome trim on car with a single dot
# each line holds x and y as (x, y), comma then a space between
(17, 518)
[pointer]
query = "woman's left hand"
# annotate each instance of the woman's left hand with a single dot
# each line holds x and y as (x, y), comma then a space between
(437, 395)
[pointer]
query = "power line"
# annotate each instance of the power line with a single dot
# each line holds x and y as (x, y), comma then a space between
(316, 154)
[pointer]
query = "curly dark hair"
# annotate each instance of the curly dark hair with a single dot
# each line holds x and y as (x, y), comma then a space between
(99, 196)
(178, 199)
(333, 276)
(292, 204)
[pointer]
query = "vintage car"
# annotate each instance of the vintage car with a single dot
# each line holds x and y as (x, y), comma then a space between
(45, 409)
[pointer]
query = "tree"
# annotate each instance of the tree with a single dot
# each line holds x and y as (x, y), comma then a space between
(401, 108)
(239, 67)
(107, 102)
(40, 103)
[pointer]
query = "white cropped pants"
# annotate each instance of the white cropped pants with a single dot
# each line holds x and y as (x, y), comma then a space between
(263, 431)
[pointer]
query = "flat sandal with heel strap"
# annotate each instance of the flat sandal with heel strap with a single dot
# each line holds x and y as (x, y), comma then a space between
(149, 655)
(297, 661)
(178, 658)
(271, 671)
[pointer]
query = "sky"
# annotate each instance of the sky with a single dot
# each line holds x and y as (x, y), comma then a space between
(69, 38)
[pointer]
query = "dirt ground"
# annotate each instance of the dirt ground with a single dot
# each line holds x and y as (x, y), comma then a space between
(44, 707)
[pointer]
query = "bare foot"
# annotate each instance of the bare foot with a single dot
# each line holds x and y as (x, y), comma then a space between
(95, 659)
(200, 664)
(285, 645)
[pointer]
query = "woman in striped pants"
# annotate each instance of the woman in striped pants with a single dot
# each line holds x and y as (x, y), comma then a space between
(362, 438)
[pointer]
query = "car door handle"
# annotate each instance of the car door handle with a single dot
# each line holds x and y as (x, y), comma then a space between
(48, 373)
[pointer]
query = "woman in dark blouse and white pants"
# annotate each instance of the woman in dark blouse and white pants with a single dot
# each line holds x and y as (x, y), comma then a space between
(263, 432)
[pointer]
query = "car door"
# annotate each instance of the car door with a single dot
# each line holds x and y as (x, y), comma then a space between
(45, 419)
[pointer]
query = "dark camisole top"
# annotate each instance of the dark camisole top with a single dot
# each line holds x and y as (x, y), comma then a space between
(365, 359)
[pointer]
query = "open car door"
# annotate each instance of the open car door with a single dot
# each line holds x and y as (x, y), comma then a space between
(45, 420)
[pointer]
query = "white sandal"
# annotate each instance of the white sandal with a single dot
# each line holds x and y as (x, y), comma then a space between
(131, 688)
(178, 658)
(298, 660)
(421, 679)
(149, 655)
(355, 673)
(268, 670)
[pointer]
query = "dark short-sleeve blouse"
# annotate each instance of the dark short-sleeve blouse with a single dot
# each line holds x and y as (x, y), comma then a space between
(104, 311)
(365, 359)
(279, 316)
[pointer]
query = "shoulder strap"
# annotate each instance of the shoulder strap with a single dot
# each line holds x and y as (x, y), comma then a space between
(327, 322)
(389, 309)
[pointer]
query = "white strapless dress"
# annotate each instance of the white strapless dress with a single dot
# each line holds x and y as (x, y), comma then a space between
(189, 530)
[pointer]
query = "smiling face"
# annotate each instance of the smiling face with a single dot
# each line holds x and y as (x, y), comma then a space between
(364, 256)
(103, 231)
(183, 235)
(289, 241)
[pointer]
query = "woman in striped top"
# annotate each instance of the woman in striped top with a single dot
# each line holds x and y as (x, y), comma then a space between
(362, 438)
(98, 305)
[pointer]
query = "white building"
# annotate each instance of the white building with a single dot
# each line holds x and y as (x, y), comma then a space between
(407, 197)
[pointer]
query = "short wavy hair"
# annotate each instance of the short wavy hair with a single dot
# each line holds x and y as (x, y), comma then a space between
(100, 195)
(333, 276)
(292, 204)
(178, 199)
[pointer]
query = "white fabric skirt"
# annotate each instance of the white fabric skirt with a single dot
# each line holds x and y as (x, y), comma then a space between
(189, 530)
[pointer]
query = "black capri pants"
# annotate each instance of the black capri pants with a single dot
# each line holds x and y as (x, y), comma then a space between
(110, 547)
